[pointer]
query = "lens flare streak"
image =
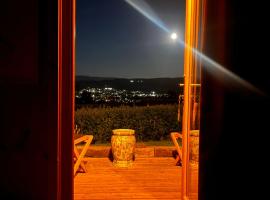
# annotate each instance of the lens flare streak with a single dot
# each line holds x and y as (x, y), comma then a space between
(142, 7)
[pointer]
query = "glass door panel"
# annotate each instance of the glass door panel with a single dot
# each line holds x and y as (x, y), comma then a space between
(191, 108)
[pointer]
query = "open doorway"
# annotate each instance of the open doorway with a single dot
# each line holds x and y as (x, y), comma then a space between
(95, 94)
(126, 55)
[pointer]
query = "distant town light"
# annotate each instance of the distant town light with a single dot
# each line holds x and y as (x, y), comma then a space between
(153, 94)
(131, 81)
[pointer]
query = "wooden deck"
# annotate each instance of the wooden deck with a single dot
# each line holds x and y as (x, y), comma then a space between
(148, 178)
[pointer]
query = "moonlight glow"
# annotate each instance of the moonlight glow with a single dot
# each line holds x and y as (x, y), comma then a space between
(174, 36)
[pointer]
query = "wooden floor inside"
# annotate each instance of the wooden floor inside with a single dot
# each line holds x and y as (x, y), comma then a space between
(148, 178)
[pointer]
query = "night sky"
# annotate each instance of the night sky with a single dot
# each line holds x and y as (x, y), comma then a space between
(115, 40)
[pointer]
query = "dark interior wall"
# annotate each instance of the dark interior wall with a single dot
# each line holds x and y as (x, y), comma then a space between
(234, 144)
(28, 102)
(212, 106)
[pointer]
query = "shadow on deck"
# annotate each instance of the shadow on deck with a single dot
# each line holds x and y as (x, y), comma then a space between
(148, 178)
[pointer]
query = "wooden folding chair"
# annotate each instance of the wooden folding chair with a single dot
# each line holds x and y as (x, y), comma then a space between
(175, 136)
(79, 157)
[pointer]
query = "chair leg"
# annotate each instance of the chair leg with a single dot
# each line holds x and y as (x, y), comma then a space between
(82, 165)
(178, 160)
(80, 156)
(174, 137)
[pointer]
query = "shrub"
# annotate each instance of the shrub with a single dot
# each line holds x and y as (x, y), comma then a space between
(149, 122)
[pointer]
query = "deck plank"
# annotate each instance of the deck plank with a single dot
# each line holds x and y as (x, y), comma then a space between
(148, 178)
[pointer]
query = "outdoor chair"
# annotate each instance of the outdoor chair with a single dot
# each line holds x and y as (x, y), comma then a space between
(175, 136)
(79, 156)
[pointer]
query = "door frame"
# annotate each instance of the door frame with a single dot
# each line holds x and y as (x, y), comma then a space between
(66, 101)
(194, 38)
(66, 94)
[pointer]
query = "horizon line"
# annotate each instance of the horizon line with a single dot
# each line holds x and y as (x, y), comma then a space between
(128, 77)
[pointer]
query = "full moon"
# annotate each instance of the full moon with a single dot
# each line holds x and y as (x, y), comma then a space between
(174, 36)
